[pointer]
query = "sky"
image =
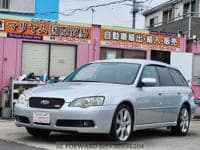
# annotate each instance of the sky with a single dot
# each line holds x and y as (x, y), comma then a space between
(113, 15)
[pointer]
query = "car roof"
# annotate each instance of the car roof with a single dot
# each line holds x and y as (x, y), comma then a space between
(136, 61)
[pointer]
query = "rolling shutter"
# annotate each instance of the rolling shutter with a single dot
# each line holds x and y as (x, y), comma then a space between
(35, 58)
(62, 60)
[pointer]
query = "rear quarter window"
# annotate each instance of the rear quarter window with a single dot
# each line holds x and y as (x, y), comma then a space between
(165, 77)
(178, 78)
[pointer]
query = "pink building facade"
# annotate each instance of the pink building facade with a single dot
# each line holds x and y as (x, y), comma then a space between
(99, 45)
(194, 48)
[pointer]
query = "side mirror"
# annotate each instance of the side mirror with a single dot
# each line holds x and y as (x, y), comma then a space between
(148, 81)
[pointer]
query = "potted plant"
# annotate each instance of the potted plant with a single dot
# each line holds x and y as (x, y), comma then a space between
(6, 110)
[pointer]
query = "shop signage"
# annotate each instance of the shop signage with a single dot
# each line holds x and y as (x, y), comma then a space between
(1, 25)
(143, 40)
(45, 30)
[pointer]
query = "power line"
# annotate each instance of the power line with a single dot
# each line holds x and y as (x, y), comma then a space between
(95, 6)
(70, 1)
(148, 5)
(137, 6)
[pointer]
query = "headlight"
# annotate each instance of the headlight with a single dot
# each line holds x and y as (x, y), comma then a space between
(22, 99)
(87, 101)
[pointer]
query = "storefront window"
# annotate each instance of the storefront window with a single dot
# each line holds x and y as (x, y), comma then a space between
(111, 53)
(196, 74)
(161, 56)
(134, 54)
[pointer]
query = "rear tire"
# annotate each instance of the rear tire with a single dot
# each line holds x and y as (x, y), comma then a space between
(183, 123)
(38, 132)
(122, 123)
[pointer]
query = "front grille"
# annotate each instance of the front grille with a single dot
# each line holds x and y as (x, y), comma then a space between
(22, 119)
(46, 103)
(75, 123)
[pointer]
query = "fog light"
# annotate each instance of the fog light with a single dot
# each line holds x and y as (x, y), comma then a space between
(88, 123)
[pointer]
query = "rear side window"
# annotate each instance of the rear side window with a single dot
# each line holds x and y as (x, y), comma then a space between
(178, 78)
(165, 77)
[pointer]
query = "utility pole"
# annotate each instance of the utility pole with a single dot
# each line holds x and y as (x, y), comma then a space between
(134, 14)
(189, 26)
(93, 10)
(136, 7)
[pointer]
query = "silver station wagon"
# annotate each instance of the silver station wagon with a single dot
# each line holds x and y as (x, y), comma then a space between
(112, 97)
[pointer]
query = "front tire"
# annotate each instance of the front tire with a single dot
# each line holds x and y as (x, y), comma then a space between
(122, 123)
(38, 132)
(183, 123)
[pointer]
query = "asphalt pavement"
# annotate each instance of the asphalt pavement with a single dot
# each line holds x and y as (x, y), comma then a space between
(14, 138)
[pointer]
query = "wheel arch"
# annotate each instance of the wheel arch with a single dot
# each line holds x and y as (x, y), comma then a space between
(187, 104)
(128, 103)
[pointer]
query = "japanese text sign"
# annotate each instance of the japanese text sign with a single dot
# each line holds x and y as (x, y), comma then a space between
(143, 40)
(39, 30)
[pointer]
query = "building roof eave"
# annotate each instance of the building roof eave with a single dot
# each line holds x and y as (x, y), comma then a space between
(160, 7)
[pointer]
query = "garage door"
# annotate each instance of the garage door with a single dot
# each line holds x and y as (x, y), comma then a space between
(35, 58)
(51, 59)
(62, 60)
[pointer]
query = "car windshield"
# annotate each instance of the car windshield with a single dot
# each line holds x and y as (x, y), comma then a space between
(119, 73)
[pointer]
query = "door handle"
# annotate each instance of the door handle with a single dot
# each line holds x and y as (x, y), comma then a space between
(179, 93)
(160, 94)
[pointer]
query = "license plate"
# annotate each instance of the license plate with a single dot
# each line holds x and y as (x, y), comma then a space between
(41, 117)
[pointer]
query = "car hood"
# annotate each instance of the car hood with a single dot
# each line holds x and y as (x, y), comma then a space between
(73, 90)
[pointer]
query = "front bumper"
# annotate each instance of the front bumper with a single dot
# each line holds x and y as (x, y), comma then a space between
(101, 115)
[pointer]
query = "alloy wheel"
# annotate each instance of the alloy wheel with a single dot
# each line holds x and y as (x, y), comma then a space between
(123, 124)
(184, 120)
